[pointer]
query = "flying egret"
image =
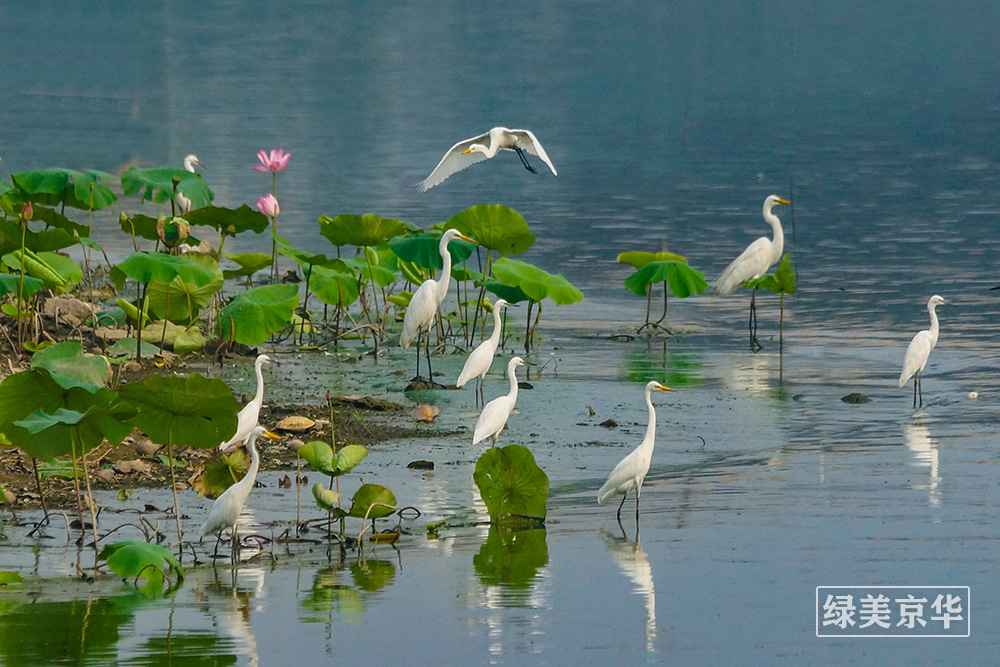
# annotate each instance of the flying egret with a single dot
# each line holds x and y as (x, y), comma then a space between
(469, 152)
(479, 362)
(754, 262)
(247, 418)
(183, 203)
(919, 350)
(494, 416)
(426, 300)
(226, 509)
(632, 469)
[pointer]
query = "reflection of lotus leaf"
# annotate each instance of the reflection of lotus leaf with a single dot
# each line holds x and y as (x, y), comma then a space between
(372, 575)
(328, 594)
(511, 558)
(674, 368)
(495, 227)
(188, 648)
(511, 483)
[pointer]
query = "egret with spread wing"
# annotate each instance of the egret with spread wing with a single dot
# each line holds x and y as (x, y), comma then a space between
(485, 146)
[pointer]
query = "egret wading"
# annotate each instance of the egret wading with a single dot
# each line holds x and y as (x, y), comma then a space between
(485, 146)
(183, 203)
(754, 262)
(425, 302)
(631, 470)
(496, 413)
(227, 507)
(919, 350)
(479, 362)
(248, 416)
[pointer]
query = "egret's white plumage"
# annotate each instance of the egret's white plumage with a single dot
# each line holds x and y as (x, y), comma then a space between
(494, 416)
(759, 255)
(476, 149)
(183, 203)
(919, 350)
(428, 297)
(226, 509)
(248, 416)
(631, 470)
(479, 362)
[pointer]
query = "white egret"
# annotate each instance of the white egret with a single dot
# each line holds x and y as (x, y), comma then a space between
(476, 149)
(494, 416)
(754, 262)
(226, 509)
(631, 470)
(919, 351)
(247, 418)
(426, 300)
(479, 362)
(183, 203)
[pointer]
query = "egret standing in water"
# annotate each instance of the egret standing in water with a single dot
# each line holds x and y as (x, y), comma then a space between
(227, 507)
(919, 351)
(754, 262)
(425, 302)
(479, 362)
(248, 416)
(631, 470)
(496, 413)
(183, 203)
(485, 146)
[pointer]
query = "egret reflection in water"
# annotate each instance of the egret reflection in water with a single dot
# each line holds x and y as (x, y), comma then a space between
(632, 560)
(925, 454)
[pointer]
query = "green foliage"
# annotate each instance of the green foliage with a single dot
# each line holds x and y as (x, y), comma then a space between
(536, 283)
(511, 558)
(253, 316)
(640, 258)
(325, 498)
(372, 501)
(192, 410)
(181, 339)
(231, 221)
(782, 281)
(9, 284)
(9, 578)
(70, 366)
(422, 250)
(511, 483)
(495, 227)
(145, 267)
(157, 185)
(249, 263)
(48, 239)
(222, 472)
(359, 230)
(334, 287)
(68, 269)
(54, 187)
(508, 294)
(180, 299)
(682, 280)
(31, 264)
(320, 456)
(132, 560)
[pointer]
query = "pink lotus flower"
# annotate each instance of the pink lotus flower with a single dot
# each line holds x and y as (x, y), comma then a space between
(277, 160)
(268, 205)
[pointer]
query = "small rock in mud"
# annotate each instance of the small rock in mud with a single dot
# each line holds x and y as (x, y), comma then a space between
(525, 385)
(425, 413)
(136, 465)
(420, 464)
(855, 398)
(609, 423)
(146, 447)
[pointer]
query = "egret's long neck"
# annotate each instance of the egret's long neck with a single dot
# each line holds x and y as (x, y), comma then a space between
(254, 458)
(259, 396)
(445, 278)
(495, 336)
(512, 372)
(651, 429)
(932, 309)
(778, 243)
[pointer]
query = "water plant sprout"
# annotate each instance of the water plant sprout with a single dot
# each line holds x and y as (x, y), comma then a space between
(919, 350)
(631, 470)
(475, 149)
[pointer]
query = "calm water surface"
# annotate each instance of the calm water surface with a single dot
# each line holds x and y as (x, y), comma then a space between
(669, 126)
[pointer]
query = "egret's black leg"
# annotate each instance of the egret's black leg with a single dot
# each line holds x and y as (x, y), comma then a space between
(920, 391)
(427, 348)
(637, 507)
(524, 160)
(754, 343)
(915, 381)
(417, 376)
(620, 509)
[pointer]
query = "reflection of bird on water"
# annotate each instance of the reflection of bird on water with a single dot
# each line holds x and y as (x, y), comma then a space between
(919, 350)
(632, 560)
(925, 453)
(754, 262)
(485, 146)
(183, 203)
(632, 469)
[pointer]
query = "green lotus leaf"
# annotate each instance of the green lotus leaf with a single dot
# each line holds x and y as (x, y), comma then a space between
(372, 501)
(359, 230)
(193, 410)
(682, 280)
(782, 281)
(536, 283)
(383, 277)
(249, 263)
(145, 267)
(184, 299)
(53, 218)
(334, 287)
(32, 265)
(55, 187)
(221, 473)
(255, 315)
(319, 455)
(157, 185)
(325, 498)
(134, 559)
(70, 366)
(423, 250)
(141, 226)
(495, 227)
(48, 239)
(639, 258)
(67, 268)
(181, 339)
(231, 220)
(508, 294)
(9, 284)
(511, 483)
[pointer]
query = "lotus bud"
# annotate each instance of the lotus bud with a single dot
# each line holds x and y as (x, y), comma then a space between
(268, 205)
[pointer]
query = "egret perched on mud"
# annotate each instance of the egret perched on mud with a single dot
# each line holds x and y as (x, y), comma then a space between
(485, 146)
(494, 416)
(426, 300)
(919, 351)
(479, 362)
(226, 510)
(754, 262)
(631, 470)
(247, 418)
(183, 203)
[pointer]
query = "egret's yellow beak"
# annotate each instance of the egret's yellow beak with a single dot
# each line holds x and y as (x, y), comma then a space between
(663, 387)
(272, 436)
(782, 201)
(466, 238)
(466, 151)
